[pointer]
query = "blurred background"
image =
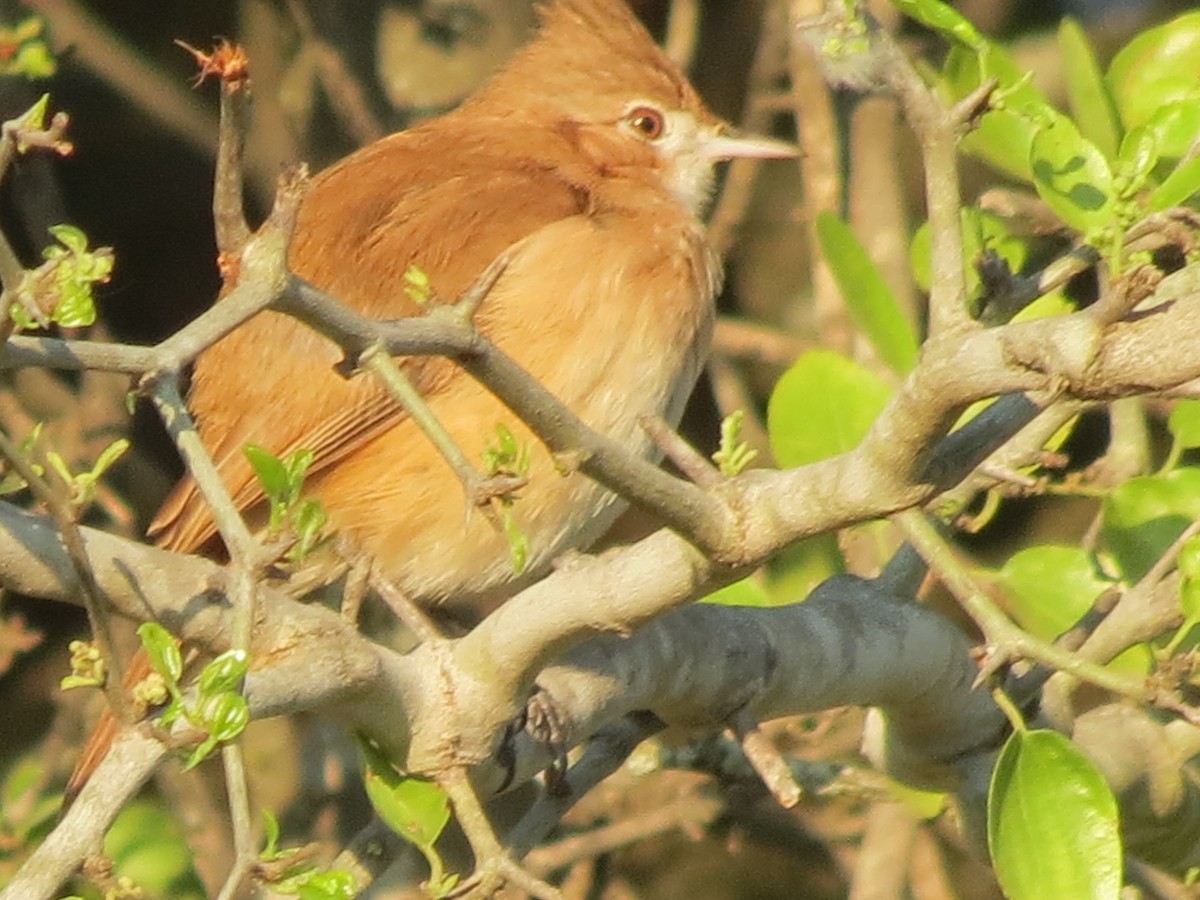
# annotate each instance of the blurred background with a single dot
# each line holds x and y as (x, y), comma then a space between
(328, 77)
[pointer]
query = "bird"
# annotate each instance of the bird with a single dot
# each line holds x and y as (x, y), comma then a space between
(588, 161)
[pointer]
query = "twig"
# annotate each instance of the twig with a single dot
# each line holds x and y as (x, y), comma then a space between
(685, 457)
(766, 759)
(938, 130)
(477, 489)
(1005, 640)
(348, 100)
(404, 609)
(605, 752)
(237, 791)
(229, 63)
(691, 812)
(818, 127)
(98, 48)
(16, 134)
(493, 867)
(164, 394)
(743, 339)
(683, 26)
(65, 520)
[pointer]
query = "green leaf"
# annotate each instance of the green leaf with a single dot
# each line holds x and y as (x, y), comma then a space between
(982, 232)
(747, 591)
(1178, 187)
(518, 542)
(71, 237)
(1188, 563)
(1091, 103)
(1156, 69)
(163, 651)
(335, 884)
(1136, 161)
(1144, 515)
(416, 284)
(414, 808)
(822, 406)
(866, 294)
(1049, 587)
(1052, 822)
(28, 55)
(225, 673)
(1071, 175)
(1005, 132)
(1184, 423)
(145, 845)
(270, 851)
(225, 715)
(733, 454)
(944, 20)
(270, 470)
(308, 522)
(1176, 126)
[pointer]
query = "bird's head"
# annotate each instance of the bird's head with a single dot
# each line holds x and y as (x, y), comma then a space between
(595, 76)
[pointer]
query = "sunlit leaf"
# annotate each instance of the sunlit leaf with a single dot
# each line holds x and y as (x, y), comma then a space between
(822, 406)
(1052, 822)
(871, 303)
(1091, 103)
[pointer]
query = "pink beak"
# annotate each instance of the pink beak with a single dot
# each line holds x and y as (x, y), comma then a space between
(735, 146)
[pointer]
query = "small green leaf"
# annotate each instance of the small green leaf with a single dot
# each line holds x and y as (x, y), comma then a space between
(1091, 103)
(1049, 588)
(866, 294)
(1157, 69)
(1004, 134)
(200, 753)
(944, 20)
(1052, 822)
(225, 715)
(225, 673)
(163, 651)
(518, 542)
(744, 592)
(416, 284)
(822, 406)
(71, 237)
(1071, 175)
(1136, 161)
(733, 454)
(416, 809)
(296, 466)
(270, 470)
(270, 851)
(1144, 515)
(1181, 185)
(982, 232)
(1176, 126)
(1184, 423)
(308, 523)
(335, 884)
(27, 54)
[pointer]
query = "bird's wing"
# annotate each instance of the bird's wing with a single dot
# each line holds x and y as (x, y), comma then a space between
(448, 203)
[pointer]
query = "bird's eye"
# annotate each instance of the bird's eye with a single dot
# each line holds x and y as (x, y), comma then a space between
(646, 121)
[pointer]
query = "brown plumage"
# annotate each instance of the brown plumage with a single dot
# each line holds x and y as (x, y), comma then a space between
(589, 157)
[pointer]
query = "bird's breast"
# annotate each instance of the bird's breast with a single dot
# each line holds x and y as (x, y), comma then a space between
(613, 315)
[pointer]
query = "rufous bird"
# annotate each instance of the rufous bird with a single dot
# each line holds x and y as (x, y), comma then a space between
(589, 158)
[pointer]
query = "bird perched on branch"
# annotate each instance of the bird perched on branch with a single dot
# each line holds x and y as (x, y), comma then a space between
(588, 160)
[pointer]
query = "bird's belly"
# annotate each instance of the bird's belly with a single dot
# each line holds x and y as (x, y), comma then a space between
(403, 506)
